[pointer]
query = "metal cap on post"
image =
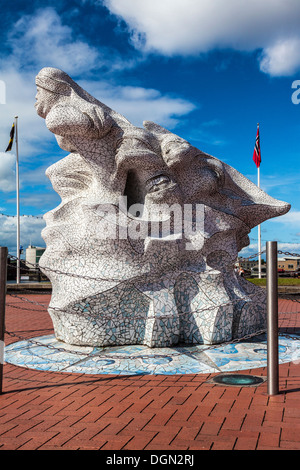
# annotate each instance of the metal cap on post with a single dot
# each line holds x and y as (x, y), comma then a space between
(272, 319)
(3, 276)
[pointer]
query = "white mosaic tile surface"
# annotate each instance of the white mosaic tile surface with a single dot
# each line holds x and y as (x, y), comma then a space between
(118, 276)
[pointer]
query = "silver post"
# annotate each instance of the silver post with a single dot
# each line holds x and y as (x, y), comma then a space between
(3, 277)
(272, 319)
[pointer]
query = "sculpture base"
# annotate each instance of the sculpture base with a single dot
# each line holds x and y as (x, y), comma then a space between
(164, 313)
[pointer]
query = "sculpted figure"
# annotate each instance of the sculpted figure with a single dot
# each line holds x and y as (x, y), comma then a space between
(142, 248)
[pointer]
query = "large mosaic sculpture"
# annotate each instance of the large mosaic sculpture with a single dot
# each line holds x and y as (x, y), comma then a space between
(142, 248)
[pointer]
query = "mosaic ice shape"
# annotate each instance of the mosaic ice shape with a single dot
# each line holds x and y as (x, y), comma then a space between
(141, 249)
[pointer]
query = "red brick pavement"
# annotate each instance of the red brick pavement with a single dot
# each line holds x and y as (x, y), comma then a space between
(49, 410)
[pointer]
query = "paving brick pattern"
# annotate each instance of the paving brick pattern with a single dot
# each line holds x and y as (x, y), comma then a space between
(50, 411)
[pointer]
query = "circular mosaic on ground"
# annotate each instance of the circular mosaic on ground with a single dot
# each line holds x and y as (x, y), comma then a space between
(47, 354)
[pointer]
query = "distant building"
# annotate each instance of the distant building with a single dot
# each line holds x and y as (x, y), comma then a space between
(33, 254)
(288, 263)
(246, 263)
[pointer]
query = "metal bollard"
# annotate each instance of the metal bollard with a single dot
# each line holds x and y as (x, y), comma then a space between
(272, 319)
(3, 277)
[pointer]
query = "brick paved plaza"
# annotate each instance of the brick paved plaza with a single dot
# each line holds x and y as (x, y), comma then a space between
(49, 410)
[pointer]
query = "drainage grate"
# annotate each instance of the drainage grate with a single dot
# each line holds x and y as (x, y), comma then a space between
(238, 380)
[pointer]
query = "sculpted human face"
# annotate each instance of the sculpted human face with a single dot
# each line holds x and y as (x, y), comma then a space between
(45, 100)
(199, 174)
(148, 178)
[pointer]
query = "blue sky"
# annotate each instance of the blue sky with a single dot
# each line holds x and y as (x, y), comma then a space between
(208, 70)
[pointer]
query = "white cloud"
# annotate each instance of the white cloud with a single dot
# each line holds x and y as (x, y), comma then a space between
(141, 104)
(282, 58)
(293, 248)
(281, 186)
(30, 232)
(282, 229)
(36, 41)
(291, 218)
(41, 38)
(252, 249)
(192, 27)
(249, 250)
(7, 172)
(20, 99)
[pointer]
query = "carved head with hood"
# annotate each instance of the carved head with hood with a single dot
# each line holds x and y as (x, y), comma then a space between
(119, 185)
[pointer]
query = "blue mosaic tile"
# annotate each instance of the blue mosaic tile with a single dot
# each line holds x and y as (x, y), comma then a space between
(45, 353)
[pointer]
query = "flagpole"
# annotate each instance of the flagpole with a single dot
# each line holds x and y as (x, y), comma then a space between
(259, 228)
(18, 202)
